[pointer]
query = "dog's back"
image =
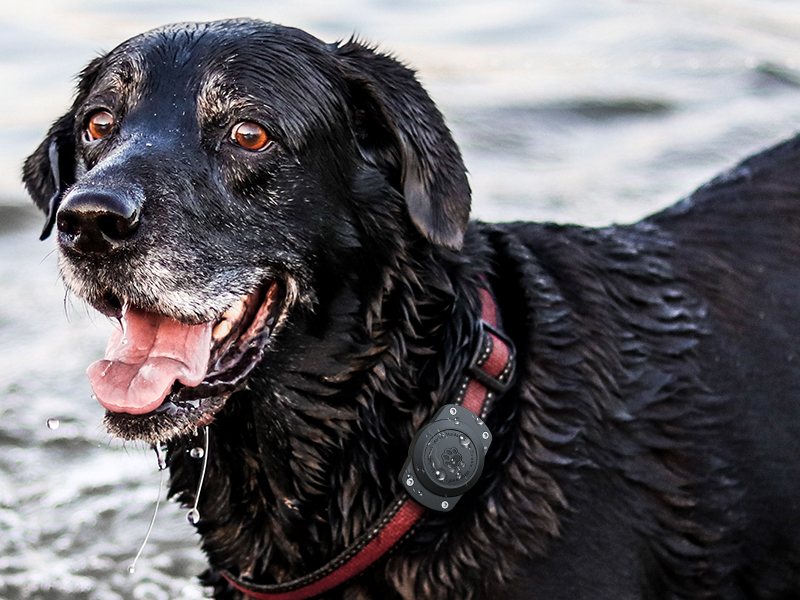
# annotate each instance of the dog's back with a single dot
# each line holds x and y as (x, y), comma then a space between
(671, 344)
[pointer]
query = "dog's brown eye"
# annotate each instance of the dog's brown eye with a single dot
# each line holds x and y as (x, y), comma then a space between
(100, 125)
(250, 136)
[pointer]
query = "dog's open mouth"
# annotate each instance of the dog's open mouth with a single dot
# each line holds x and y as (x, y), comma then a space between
(161, 378)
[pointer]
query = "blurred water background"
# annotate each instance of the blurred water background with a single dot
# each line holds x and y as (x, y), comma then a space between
(566, 110)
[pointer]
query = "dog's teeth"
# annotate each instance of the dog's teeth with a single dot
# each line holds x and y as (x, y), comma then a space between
(222, 330)
(235, 311)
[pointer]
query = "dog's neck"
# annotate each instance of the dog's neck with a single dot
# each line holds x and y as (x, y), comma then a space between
(347, 387)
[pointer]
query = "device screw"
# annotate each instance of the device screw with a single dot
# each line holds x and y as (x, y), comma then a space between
(409, 481)
(486, 435)
(452, 411)
(445, 504)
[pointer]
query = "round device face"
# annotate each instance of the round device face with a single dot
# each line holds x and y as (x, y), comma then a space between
(450, 459)
(446, 458)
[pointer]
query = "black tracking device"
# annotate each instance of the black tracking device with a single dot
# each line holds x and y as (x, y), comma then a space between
(446, 457)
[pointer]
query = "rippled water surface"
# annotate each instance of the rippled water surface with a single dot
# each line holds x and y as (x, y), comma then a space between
(580, 111)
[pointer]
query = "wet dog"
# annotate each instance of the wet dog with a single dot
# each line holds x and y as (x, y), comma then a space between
(281, 227)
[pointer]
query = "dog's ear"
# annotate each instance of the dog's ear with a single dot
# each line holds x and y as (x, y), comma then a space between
(400, 130)
(51, 168)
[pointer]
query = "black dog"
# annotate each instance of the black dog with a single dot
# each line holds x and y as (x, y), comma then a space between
(282, 227)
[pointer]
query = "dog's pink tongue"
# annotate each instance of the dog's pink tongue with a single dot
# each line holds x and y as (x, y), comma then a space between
(145, 358)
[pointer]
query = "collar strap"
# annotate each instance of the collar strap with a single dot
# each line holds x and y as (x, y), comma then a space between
(489, 375)
(491, 371)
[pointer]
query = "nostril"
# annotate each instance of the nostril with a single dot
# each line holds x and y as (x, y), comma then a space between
(95, 223)
(117, 227)
(67, 223)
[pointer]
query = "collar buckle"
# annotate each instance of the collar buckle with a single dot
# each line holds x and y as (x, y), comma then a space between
(483, 366)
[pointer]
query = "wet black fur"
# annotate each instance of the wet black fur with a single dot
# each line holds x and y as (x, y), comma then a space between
(650, 446)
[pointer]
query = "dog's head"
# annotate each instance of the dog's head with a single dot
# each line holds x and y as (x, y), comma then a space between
(210, 178)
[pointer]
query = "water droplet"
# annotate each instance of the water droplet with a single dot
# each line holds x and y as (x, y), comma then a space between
(197, 453)
(132, 569)
(464, 441)
(193, 515)
(479, 421)
(161, 455)
(457, 421)
(53, 424)
(440, 476)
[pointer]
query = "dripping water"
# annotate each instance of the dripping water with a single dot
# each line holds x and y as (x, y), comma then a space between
(160, 450)
(161, 455)
(193, 516)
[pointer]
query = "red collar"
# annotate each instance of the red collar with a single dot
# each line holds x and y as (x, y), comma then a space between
(488, 375)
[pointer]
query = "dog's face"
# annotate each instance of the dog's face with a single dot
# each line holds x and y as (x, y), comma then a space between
(206, 184)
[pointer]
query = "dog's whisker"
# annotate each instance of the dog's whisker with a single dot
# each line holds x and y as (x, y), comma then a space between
(193, 516)
(46, 256)
(162, 466)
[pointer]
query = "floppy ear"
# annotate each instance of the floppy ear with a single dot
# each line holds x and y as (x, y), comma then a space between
(403, 133)
(50, 170)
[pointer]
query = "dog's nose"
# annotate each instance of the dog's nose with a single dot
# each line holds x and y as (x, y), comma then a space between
(96, 222)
